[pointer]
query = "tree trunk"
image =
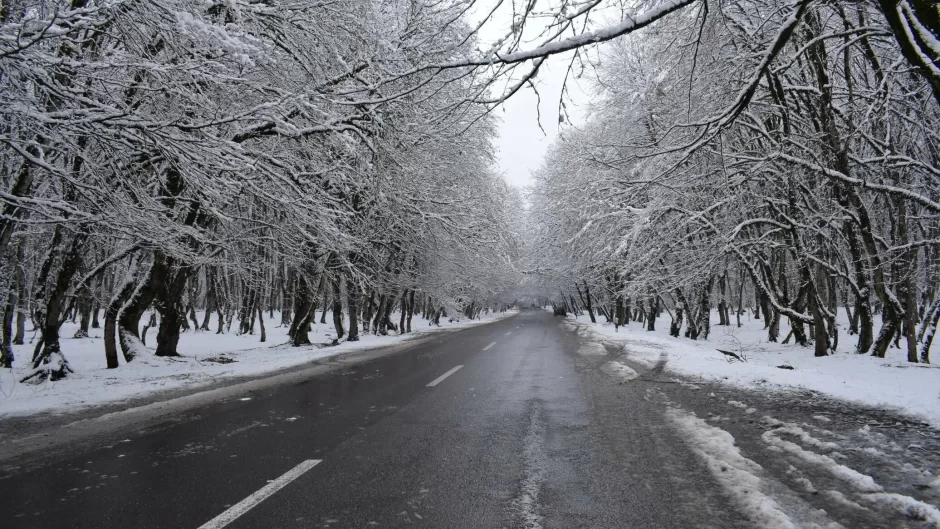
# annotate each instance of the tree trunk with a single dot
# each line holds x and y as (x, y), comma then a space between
(264, 336)
(305, 308)
(703, 325)
(930, 331)
(723, 318)
(820, 336)
(151, 322)
(326, 304)
(21, 187)
(411, 310)
(287, 301)
(353, 298)
(169, 303)
(210, 302)
(379, 314)
(20, 337)
(386, 323)
(49, 362)
(254, 303)
(338, 309)
(851, 315)
(365, 314)
(590, 304)
(758, 304)
(245, 313)
(110, 325)
(6, 341)
(129, 317)
(404, 310)
(192, 316)
(15, 300)
(95, 308)
(676, 327)
(221, 314)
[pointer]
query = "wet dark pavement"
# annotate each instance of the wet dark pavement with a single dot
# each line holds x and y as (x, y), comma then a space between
(528, 432)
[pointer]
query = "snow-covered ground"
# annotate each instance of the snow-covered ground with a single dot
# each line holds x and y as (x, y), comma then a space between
(890, 382)
(207, 357)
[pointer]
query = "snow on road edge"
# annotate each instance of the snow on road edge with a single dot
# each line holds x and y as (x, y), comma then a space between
(737, 475)
(93, 385)
(878, 382)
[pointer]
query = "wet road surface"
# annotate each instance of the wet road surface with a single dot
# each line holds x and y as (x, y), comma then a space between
(510, 424)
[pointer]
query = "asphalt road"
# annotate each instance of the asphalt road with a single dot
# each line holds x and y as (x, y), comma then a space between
(526, 432)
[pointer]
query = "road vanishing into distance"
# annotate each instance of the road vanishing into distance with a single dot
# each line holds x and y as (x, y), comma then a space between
(517, 423)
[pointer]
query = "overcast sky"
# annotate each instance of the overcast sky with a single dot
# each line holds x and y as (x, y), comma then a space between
(522, 144)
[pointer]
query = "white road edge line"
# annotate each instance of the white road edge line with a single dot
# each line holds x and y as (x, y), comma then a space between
(262, 494)
(487, 348)
(441, 378)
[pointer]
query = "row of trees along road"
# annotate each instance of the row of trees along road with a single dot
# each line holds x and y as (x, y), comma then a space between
(783, 157)
(239, 155)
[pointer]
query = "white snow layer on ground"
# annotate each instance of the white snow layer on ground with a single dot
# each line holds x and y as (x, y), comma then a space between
(882, 382)
(207, 357)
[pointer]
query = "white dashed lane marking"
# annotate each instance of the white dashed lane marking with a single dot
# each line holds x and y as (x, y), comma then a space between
(259, 496)
(441, 378)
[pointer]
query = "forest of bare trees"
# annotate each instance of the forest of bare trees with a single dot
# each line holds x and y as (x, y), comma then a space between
(238, 157)
(782, 159)
(243, 156)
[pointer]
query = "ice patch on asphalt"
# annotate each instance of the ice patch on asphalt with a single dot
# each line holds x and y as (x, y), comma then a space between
(619, 370)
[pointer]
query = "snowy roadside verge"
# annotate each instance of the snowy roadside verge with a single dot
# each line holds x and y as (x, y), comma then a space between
(207, 359)
(791, 500)
(911, 389)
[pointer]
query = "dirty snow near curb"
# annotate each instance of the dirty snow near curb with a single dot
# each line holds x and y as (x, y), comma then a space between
(592, 349)
(769, 503)
(881, 382)
(740, 478)
(206, 358)
(619, 370)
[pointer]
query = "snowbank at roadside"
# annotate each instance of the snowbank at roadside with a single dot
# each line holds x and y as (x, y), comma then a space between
(889, 382)
(206, 358)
